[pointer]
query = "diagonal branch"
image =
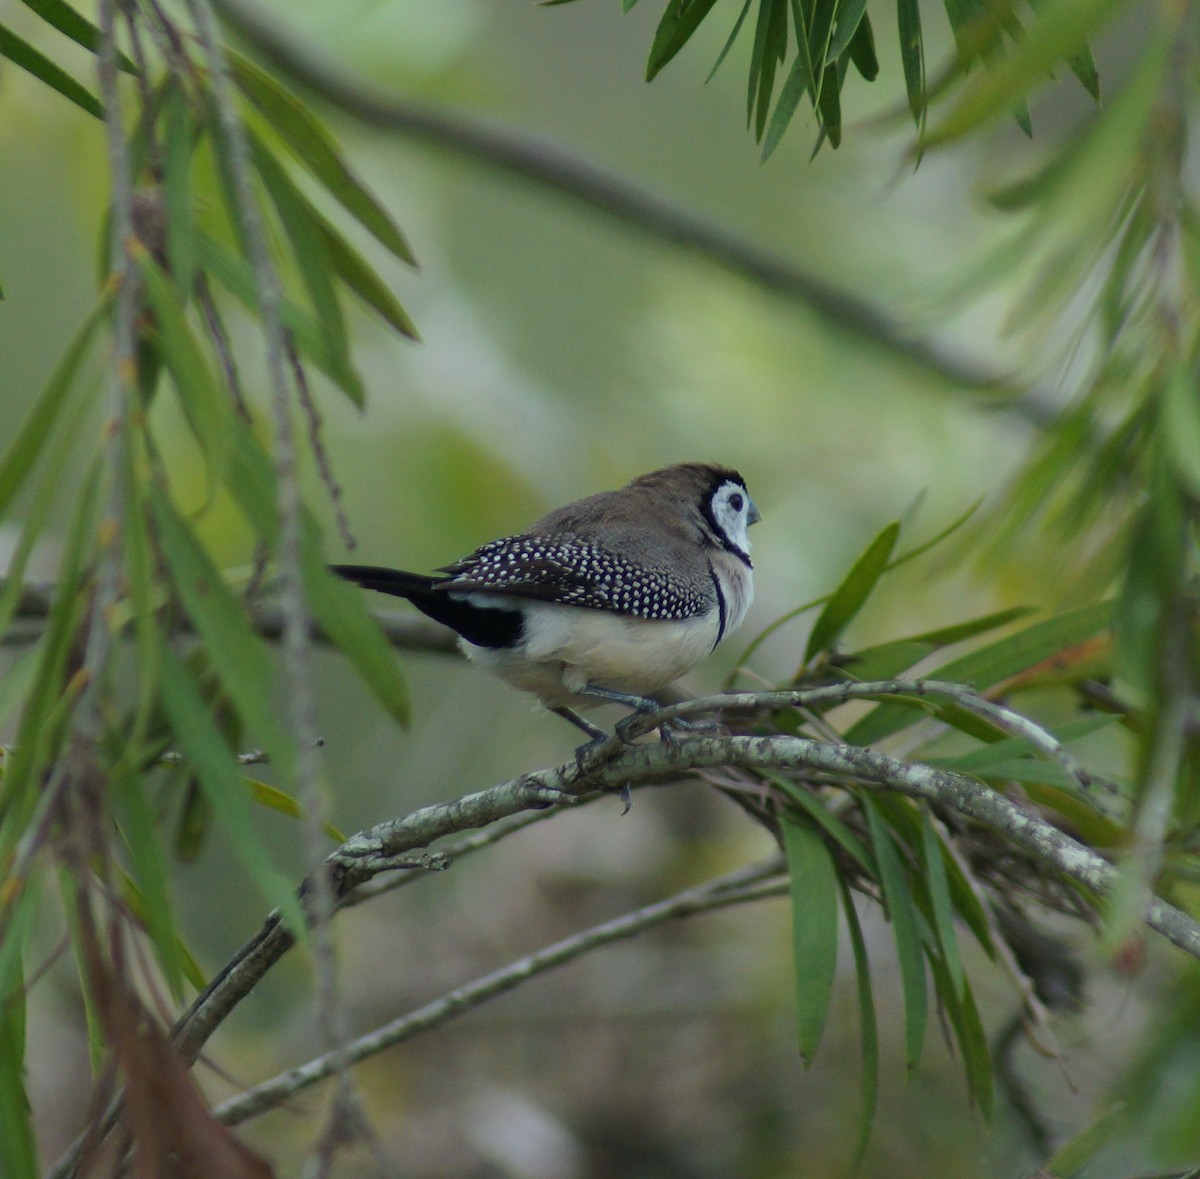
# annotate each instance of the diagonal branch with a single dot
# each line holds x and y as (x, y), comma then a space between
(554, 168)
(392, 845)
(746, 884)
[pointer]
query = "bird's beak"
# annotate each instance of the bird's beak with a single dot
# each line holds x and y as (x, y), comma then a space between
(753, 516)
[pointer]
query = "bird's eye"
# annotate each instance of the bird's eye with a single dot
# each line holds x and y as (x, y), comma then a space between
(736, 502)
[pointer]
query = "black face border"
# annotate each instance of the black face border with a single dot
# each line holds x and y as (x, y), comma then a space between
(706, 506)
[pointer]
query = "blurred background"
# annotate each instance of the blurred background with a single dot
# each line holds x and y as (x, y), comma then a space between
(563, 354)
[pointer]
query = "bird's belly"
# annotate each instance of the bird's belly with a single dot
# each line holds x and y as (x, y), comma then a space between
(565, 648)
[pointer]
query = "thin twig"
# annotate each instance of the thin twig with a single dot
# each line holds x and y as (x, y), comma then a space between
(316, 444)
(746, 884)
(346, 1119)
(1005, 719)
(406, 632)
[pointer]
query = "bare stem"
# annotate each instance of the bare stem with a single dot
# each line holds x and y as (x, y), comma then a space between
(746, 884)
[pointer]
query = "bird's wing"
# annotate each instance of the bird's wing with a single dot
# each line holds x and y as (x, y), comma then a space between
(575, 573)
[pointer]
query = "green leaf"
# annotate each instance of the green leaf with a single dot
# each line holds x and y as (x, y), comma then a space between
(274, 799)
(131, 895)
(737, 28)
(828, 822)
(938, 885)
(770, 48)
(208, 409)
(347, 263)
(993, 663)
(849, 597)
(20, 786)
(1080, 1150)
(308, 250)
(316, 149)
(680, 20)
(868, 1022)
(903, 914)
(850, 14)
(22, 54)
(150, 873)
(37, 430)
(341, 613)
(179, 138)
(977, 1059)
(1062, 31)
(235, 275)
(862, 50)
(814, 893)
(236, 653)
(889, 659)
(337, 607)
(829, 104)
(202, 744)
(1082, 64)
(798, 83)
(1181, 424)
(912, 56)
(81, 30)
(17, 1150)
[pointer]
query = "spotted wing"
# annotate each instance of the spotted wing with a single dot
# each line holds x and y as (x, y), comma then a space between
(575, 573)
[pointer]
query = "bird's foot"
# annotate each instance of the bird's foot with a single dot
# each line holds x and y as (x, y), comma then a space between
(672, 730)
(537, 796)
(586, 755)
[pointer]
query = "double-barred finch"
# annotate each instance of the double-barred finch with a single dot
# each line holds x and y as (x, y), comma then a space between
(608, 598)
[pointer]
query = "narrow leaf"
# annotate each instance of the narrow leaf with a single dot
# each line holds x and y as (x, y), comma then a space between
(208, 410)
(992, 664)
(70, 23)
(22, 54)
(849, 597)
(829, 823)
(178, 143)
(1061, 32)
(737, 28)
(36, 431)
(814, 893)
(237, 654)
(678, 23)
(308, 249)
(862, 50)
(912, 56)
(798, 83)
(347, 263)
(868, 1022)
(235, 275)
(150, 872)
(17, 1150)
(850, 16)
(216, 769)
(938, 886)
(316, 149)
(903, 915)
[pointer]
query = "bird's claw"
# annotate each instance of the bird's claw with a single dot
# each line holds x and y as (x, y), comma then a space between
(538, 796)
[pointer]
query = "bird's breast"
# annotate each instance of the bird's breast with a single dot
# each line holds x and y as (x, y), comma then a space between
(565, 648)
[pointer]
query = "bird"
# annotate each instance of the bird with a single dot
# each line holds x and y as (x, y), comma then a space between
(607, 599)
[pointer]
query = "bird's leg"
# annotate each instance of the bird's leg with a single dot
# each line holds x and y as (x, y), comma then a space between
(642, 705)
(598, 735)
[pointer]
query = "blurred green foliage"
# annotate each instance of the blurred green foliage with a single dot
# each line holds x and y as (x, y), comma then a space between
(574, 362)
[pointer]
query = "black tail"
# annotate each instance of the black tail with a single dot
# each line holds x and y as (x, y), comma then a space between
(485, 626)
